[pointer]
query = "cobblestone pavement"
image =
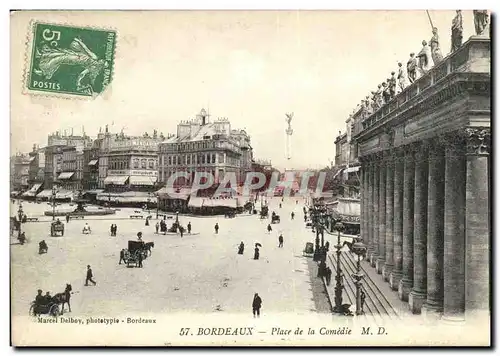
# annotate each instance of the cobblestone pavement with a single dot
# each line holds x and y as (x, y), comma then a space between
(201, 273)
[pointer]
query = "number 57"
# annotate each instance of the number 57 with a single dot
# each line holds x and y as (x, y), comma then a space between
(49, 35)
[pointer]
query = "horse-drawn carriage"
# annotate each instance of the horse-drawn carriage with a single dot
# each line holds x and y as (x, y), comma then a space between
(51, 308)
(264, 212)
(275, 219)
(56, 227)
(135, 253)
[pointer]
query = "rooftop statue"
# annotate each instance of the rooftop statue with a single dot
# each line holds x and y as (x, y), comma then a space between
(402, 77)
(424, 58)
(481, 21)
(411, 68)
(392, 85)
(435, 48)
(456, 31)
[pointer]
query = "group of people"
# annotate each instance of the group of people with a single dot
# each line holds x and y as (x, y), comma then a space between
(41, 299)
(418, 65)
(113, 228)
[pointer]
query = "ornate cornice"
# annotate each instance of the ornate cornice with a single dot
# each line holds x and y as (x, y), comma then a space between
(478, 140)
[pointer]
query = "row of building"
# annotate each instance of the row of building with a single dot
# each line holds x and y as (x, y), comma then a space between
(121, 168)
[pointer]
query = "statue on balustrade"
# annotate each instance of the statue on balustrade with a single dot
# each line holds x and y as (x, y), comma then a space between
(386, 92)
(437, 56)
(374, 101)
(411, 67)
(380, 98)
(392, 85)
(424, 58)
(481, 21)
(456, 31)
(402, 77)
(367, 109)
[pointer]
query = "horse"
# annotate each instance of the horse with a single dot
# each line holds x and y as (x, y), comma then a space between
(148, 246)
(63, 298)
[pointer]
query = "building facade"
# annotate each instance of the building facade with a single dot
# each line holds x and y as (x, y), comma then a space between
(426, 182)
(21, 171)
(204, 146)
(90, 168)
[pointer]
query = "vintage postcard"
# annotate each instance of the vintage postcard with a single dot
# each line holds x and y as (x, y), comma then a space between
(250, 178)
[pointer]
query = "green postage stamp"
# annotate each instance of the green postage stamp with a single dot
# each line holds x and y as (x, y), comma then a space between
(70, 60)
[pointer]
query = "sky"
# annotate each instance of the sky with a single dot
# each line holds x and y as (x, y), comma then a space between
(252, 67)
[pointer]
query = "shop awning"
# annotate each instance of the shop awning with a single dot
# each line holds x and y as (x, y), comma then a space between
(142, 180)
(94, 191)
(65, 175)
(117, 180)
(93, 162)
(46, 193)
(353, 169)
(195, 202)
(226, 203)
(182, 193)
(338, 172)
(32, 191)
(127, 197)
(64, 194)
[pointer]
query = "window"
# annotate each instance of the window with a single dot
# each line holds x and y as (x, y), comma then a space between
(151, 164)
(213, 158)
(169, 160)
(202, 159)
(208, 158)
(143, 163)
(221, 157)
(189, 159)
(136, 163)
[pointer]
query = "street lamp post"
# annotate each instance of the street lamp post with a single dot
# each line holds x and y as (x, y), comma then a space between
(54, 192)
(20, 214)
(339, 286)
(359, 249)
(157, 205)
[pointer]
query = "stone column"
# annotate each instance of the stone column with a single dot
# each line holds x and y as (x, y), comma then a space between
(389, 219)
(454, 230)
(363, 173)
(435, 230)
(381, 217)
(369, 208)
(397, 271)
(418, 294)
(375, 202)
(477, 221)
(406, 282)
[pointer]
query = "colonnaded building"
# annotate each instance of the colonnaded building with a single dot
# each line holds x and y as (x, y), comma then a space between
(426, 182)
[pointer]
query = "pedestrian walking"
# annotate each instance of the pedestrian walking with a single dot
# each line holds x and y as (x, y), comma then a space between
(280, 240)
(280, 205)
(122, 256)
(292, 215)
(328, 275)
(181, 230)
(139, 236)
(147, 222)
(241, 248)
(115, 228)
(256, 305)
(89, 276)
(256, 253)
(362, 297)
(111, 229)
(157, 227)
(189, 227)
(269, 228)
(305, 217)
(216, 228)
(140, 260)
(67, 218)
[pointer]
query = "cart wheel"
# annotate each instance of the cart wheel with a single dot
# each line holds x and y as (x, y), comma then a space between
(54, 310)
(32, 311)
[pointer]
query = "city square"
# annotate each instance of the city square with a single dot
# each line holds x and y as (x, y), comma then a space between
(258, 177)
(201, 272)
